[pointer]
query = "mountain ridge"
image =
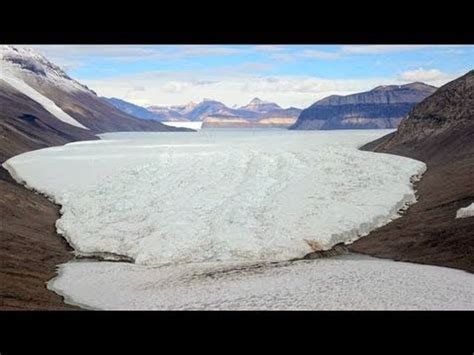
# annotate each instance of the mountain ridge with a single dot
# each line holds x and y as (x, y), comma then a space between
(214, 113)
(382, 107)
(43, 106)
(165, 114)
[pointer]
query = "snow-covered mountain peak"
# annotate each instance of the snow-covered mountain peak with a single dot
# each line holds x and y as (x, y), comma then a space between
(23, 62)
(256, 101)
(31, 60)
(190, 106)
(183, 109)
(259, 105)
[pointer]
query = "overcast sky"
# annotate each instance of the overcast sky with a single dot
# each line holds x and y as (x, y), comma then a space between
(291, 75)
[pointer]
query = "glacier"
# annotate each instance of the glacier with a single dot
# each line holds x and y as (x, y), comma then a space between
(215, 195)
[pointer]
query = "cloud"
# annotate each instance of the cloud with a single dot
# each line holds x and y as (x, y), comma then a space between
(241, 76)
(425, 75)
(282, 53)
(236, 88)
(378, 49)
(208, 50)
(317, 54)
(175, 86)
(130, 53)
(389, 48)
(269, 48)
(205, 82)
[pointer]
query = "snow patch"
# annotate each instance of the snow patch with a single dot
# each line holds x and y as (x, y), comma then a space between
(47, 104)
(466, 211)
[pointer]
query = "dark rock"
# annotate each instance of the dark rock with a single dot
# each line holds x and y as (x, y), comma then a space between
(382, 107)
(338, 249)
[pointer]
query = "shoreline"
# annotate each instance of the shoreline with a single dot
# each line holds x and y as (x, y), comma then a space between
(30, 248)
(66, 299)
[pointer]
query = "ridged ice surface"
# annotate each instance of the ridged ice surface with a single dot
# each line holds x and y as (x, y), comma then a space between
(348, 282)
(218, 195)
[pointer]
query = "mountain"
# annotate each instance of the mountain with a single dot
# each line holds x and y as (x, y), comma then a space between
(43, 106)
(26, 125)
(381, 107)
(209, 107)
(167, 114)
(257, 113)
(184, 109)
(258, 105)
(445, 119)
(214, 113)
(154, 113)
(440, 132)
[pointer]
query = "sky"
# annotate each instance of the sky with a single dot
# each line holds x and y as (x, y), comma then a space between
(290, 75)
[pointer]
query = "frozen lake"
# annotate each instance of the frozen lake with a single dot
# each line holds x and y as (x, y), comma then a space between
(349, 282)
(180, 203)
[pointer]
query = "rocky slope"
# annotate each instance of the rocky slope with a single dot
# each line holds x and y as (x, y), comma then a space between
(382, 107)
(30, 249)
(440, 132)
(44, 82)
(25, 125)
(40, 107)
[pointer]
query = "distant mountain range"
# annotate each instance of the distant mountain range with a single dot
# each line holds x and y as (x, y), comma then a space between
(214, 113)
(381, 107)
(155, 114)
